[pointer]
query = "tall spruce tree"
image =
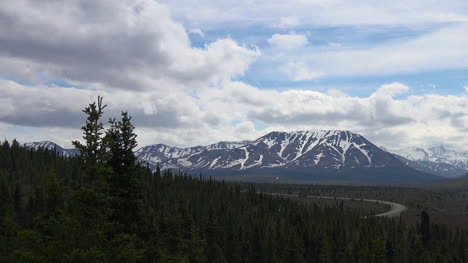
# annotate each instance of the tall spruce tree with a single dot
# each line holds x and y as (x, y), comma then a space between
(91, 151)
(120, 141)
(113, 148)
(128, 137)
(125, 187)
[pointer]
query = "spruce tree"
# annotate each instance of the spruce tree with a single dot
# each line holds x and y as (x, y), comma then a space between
(128, 137)
(125, 186)
(91, 151)
(112, 144)
(120, 141)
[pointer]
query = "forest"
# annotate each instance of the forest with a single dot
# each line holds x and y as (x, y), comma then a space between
(105, 206)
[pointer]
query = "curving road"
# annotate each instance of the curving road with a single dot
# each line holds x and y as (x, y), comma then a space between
(395, 208)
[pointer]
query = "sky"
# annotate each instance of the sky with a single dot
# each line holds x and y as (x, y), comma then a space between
(194, 72)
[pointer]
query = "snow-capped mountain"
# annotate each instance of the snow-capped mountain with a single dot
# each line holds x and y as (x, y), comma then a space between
(327, 149)
(303, 155)
(436, 160)
(51, 146)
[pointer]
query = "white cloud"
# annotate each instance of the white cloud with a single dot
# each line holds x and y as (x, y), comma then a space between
(288, 41)
(387, 117)
(413, 120)
(132, 45)
(299, 71)
(390, 90)
(41, 106)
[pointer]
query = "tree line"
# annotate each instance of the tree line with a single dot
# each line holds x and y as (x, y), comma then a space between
(105, 206)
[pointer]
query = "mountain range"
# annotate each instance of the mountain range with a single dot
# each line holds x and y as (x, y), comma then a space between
(302, 155)
(436, 160)
(302, 149)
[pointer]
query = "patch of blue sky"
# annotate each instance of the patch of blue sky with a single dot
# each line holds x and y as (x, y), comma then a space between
(19, 81)
(63, 84)
(260, 125)
(235, 122)
(268, 74)
(248, 36)
(442, 82)
(46, 82)
(317, 35)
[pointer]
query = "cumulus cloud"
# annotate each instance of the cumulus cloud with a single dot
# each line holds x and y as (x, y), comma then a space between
(299, 71)
(133, 45)
(417, 120)
(388, 116)
(288, 41)
(41, 106)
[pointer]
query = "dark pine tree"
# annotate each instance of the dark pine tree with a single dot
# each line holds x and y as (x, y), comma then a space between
(425, 229)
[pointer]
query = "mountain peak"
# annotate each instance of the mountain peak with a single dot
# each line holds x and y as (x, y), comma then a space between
(329, 149)
(440, 149)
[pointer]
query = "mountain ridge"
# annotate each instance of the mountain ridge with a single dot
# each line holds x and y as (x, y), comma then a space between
(315, 153)
(280, 148)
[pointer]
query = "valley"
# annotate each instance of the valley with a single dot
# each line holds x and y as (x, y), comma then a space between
(447, 204)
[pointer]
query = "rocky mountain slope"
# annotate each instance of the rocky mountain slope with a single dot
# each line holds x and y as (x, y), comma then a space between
(303, 149)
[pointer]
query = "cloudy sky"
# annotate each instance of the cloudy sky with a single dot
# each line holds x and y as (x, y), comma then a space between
(194, 72)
